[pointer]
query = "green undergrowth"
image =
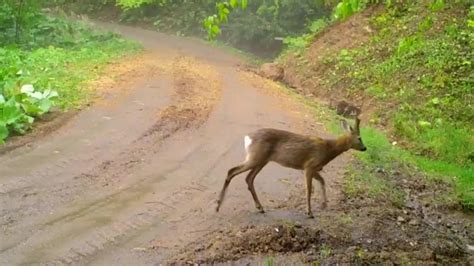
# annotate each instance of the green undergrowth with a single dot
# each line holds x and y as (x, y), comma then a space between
(418, 70)
(253, 29)
(62, 69)
(47, 63)
(384, 156)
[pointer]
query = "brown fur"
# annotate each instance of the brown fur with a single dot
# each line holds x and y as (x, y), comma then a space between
(293, 151)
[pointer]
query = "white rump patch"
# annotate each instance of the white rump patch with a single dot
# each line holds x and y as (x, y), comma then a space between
(247, 142)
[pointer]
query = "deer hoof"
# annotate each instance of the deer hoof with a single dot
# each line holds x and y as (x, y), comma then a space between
(260, 209)
(310, 215)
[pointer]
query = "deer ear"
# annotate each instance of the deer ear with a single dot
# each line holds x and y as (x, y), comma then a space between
(345, 125)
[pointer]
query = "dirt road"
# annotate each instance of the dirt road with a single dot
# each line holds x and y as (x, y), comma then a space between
(135, 176)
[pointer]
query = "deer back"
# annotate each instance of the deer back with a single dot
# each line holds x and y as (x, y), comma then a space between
(287, 148)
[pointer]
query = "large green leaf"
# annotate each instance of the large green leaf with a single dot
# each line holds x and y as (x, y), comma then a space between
(45, 105)
(36, 103)
(3, 132)
(10, 112)
(31, 107)
(29, 90)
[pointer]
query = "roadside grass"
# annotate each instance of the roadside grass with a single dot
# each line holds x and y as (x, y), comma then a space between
(417, 73)
(418, 70)
(64, 70)
(382, 155)
(48, 65)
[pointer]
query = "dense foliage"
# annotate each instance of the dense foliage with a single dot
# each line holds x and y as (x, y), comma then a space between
(277, 19)
(43, 60)
(268, 19)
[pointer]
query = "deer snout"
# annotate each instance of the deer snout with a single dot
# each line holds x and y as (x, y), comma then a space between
(362, 146)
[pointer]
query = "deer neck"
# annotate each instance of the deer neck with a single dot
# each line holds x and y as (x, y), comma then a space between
(338, 146)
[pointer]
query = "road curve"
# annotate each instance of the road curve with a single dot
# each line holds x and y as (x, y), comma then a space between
(132, 180)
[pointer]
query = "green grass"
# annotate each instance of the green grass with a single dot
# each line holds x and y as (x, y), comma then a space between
(64, 70)
(383, 155)
(268, 261)
(325, 251)
(418, 69)
(51, 54)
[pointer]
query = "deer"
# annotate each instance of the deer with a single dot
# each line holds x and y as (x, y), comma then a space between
(291, 150)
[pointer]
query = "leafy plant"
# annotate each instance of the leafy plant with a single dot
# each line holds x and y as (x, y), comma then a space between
(213, 22)
(346, 8)
(46, 66)
(36, 103)
(17, 112)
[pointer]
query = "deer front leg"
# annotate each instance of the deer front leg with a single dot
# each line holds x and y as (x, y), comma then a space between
(250, 179)
(309, 187)
(318, 177)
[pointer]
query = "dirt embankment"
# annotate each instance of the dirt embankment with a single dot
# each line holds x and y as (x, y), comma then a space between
(304, 71)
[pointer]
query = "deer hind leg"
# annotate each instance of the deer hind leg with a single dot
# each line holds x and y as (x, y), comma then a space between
(231, 174)
(250, 179)
(318, 177)
(309, 187)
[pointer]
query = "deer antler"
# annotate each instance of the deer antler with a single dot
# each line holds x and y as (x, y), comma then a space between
(357, 123)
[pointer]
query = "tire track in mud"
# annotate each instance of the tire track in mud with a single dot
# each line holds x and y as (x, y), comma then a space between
(196, 91)
(102, 237)
(51, 163)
